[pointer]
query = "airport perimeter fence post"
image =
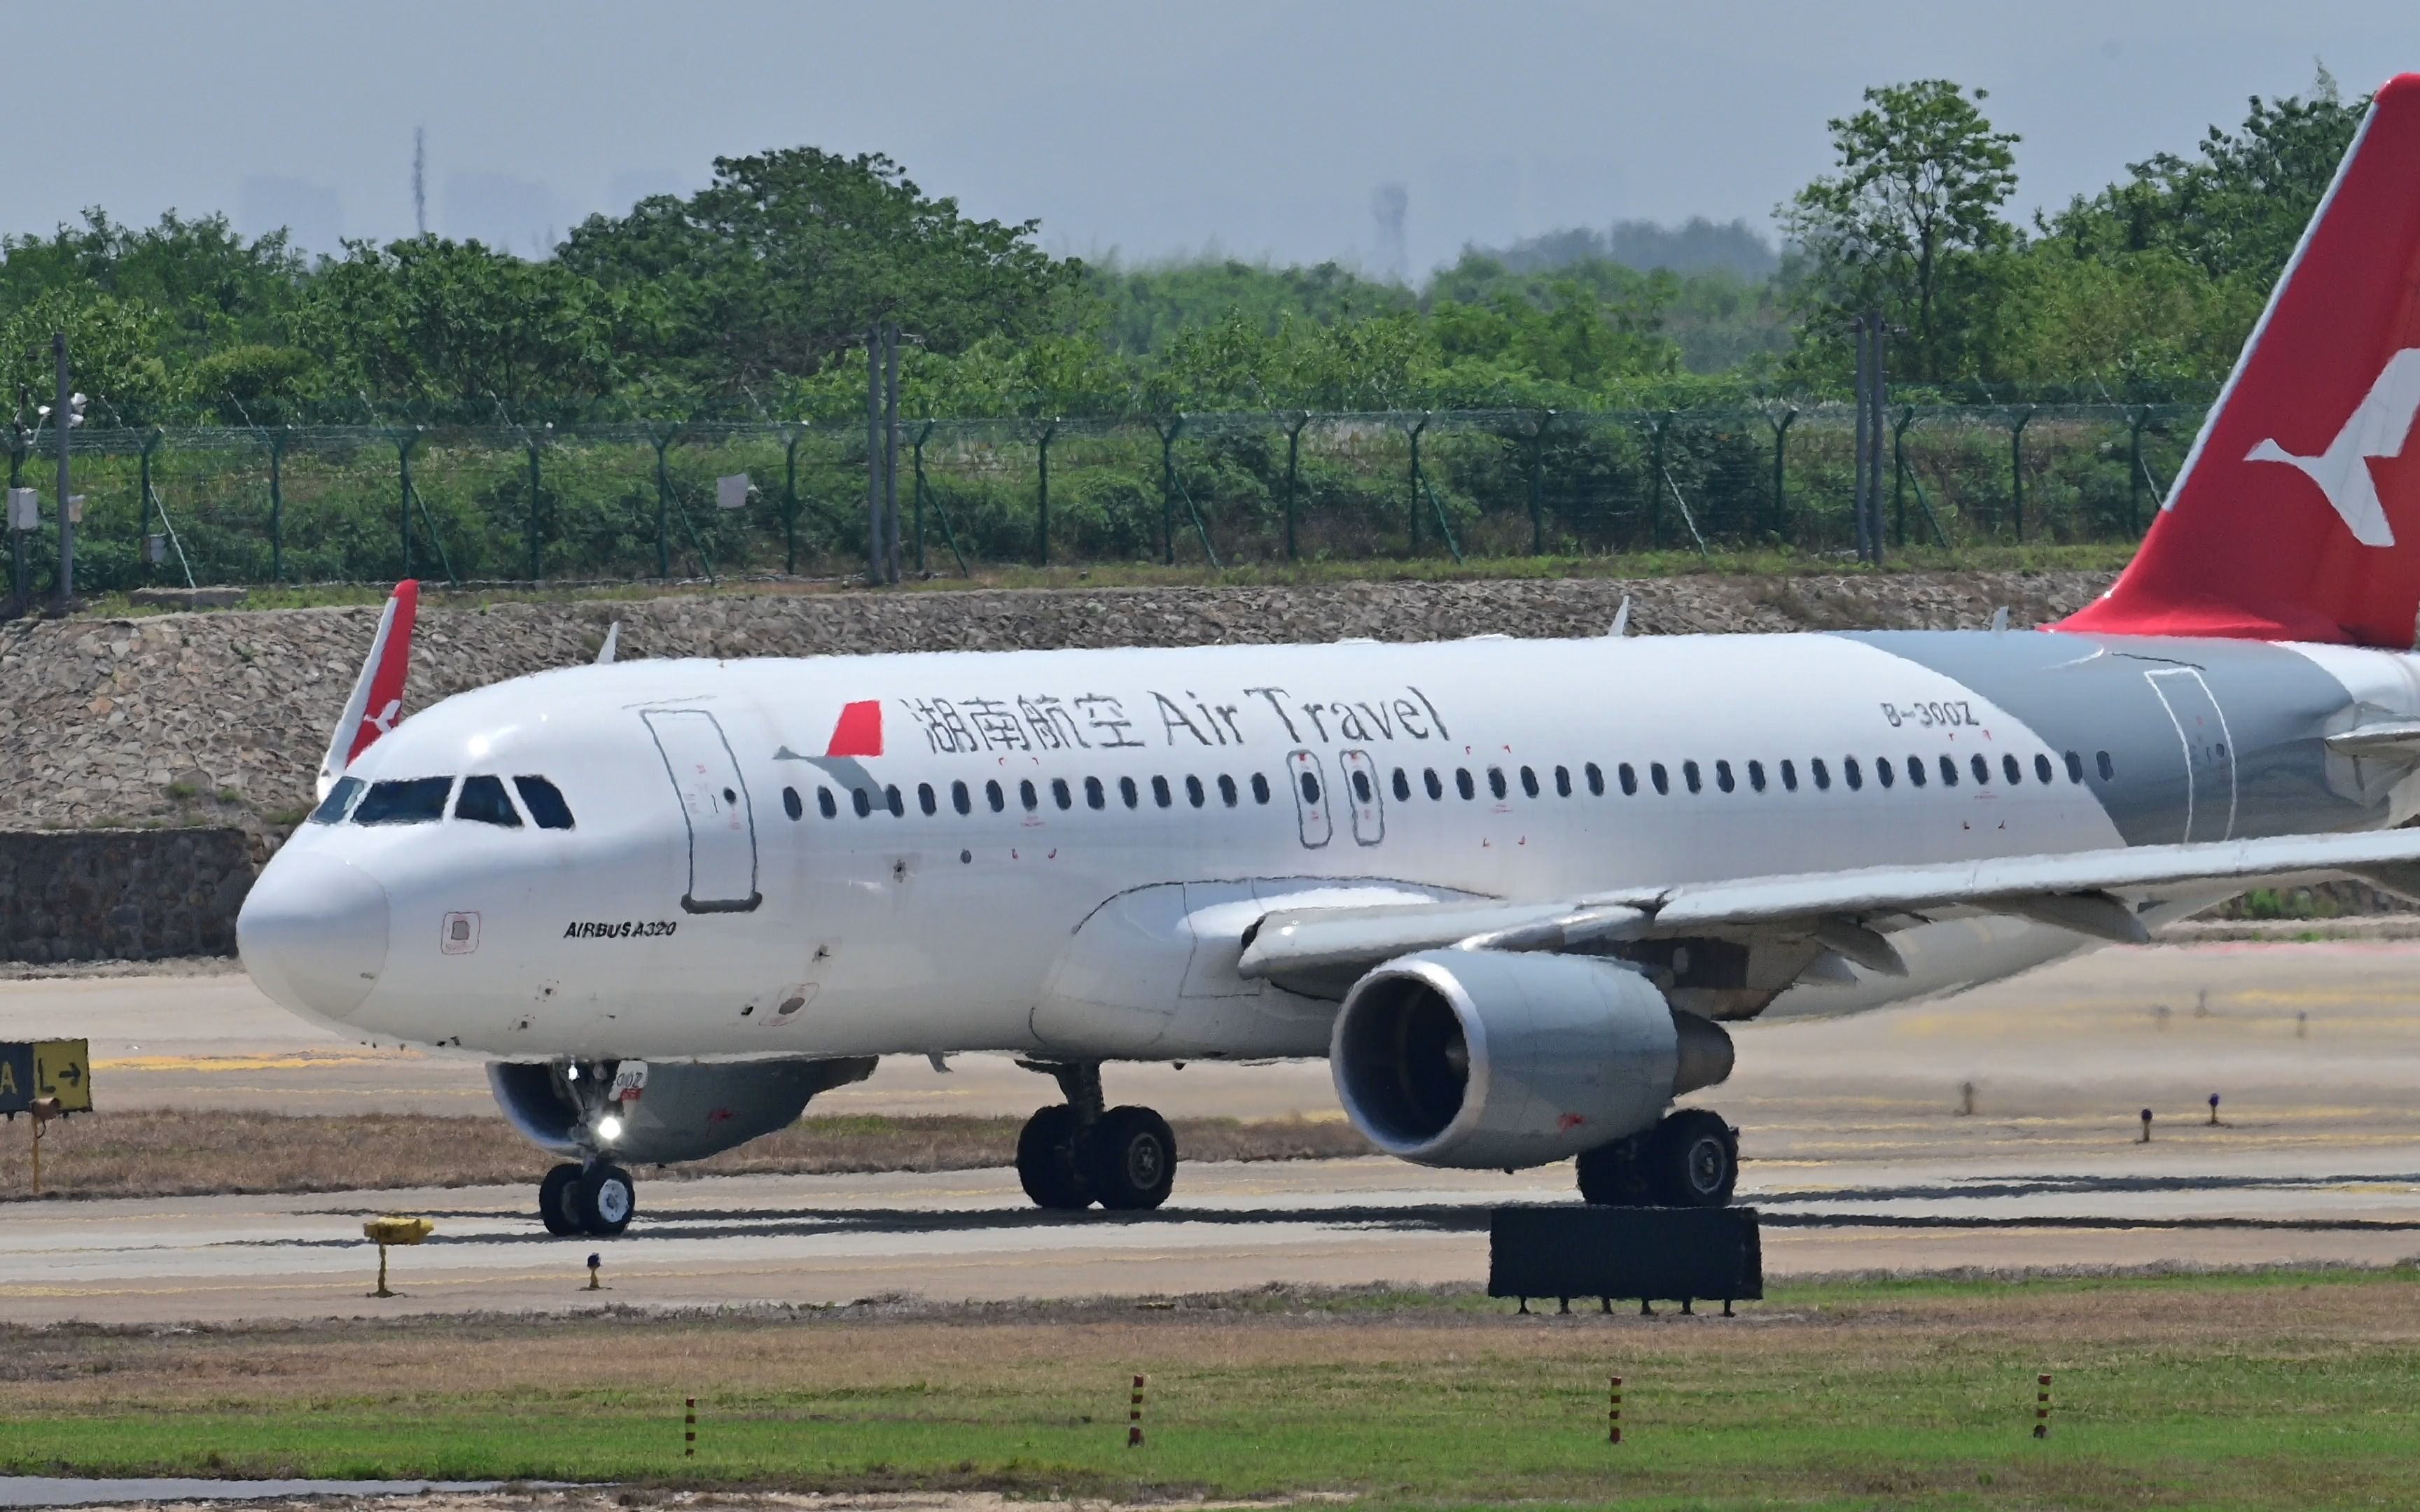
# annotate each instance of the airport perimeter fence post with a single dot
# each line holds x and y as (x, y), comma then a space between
(277, 503)
(1899, 475)
(537, 482)
(1168, 434)
(2018, 419)
(1537, 425)
(916, 452)
(403, 442)
(790, 501)
(2136, 419)
(1042, 494)
(661, 438)
(142, 502)
(1780, 471)
(1415, 491)
(1655, 482)
(18, 601)
(1294, 479)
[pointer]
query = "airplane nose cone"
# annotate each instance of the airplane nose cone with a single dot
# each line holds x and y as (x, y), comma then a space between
(312, 932)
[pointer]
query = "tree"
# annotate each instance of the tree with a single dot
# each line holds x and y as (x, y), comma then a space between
(430, 321)
(787, 257)
(1922, 177)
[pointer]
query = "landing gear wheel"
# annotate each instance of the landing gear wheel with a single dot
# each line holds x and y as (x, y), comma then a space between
(1046, 1160)
(604, 1200)
(554, 1200)
(1131, 1155)
(1692, 1160)
(1611, 1176)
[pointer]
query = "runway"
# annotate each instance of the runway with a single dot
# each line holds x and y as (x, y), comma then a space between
(1860, 1153)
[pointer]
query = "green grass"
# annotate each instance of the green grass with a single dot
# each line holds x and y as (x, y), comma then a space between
(2095, 557)
(2273, 1390)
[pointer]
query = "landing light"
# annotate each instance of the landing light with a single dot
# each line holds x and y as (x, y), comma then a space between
(609, 1128)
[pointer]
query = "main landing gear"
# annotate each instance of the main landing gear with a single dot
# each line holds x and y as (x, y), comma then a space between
(1075, 1153)
(1690, 1159)
(597, 1199)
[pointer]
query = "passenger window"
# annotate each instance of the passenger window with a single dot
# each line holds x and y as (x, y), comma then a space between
(1159, 794)
(1723, 778)
(891, 801)
(792, 804)
(961, 799)
(1818, 769)
(824, 801)
(1528, 783)
(1260, 788)
(483, 799)
(864, 805)
(1059, 794)
(1562, 781)
(2075, 767)
(1362, 788)
(1026, 795)
(1788, 774)
(1429, 781)
(339, 798)
(543, 801)
(2109, 771)
(1193, 794)
(1309, 789)
(2009, 770)
(1690, 775)
(1657, 775)
(1227, 790)
(1495, 780)
(1095, 797)
(1884, 772)
(1982, 768)
(1128, 791)
(1755, 775)
(993, 795)
(1403, 786)
(1629, 776)
(925, 800)
(1596, 781)
(1948, 771)
(1464, 785)
(1915, 771)
(2041, 768)
(1853, 775)
(416, 800)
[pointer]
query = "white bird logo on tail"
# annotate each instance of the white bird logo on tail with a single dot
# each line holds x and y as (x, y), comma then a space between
(2376, 428)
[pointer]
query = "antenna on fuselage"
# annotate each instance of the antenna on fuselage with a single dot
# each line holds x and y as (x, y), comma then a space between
(613, 639)
(1621, 619)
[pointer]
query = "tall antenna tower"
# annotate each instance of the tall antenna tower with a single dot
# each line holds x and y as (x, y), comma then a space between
(420, 180)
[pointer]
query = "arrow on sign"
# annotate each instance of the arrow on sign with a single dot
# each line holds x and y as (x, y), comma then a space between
(71, 1074)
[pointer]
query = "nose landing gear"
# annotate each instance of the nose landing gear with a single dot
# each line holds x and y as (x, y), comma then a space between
(597, 1199)
(1073, 1154)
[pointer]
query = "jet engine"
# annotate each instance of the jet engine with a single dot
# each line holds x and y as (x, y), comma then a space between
(682, 1112)
(1494, 1058)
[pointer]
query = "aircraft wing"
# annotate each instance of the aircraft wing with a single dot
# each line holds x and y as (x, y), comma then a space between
(2092, 893)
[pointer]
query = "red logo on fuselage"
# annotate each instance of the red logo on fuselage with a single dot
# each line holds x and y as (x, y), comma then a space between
(859, 730)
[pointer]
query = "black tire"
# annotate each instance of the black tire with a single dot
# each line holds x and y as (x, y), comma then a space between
(1046, 1160)
(1693, 1160)
(554, 1200)
(1131, 1156)
(1611, 1176)
(605, 1200)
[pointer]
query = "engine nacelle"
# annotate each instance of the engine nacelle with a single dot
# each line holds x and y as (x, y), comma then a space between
(686, 1112)
(1494, 1058)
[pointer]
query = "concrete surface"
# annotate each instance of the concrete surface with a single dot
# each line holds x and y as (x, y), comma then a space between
(1858, 1155)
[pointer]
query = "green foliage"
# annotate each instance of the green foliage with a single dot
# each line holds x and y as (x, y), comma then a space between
(1903, 223)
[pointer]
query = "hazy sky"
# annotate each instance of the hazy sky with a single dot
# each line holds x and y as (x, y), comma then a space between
(1260, 127)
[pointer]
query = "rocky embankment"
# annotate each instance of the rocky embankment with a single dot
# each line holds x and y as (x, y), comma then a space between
(219, 717)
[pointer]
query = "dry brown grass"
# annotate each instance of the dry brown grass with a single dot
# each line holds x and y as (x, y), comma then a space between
(180, 1152)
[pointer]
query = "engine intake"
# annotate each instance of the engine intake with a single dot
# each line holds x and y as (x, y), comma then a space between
(1490, 1059)
(687, 1112)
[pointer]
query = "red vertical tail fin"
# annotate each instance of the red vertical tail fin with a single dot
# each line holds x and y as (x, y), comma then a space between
(375, 705)
(2297, 514)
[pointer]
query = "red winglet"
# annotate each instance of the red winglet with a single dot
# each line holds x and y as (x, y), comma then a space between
(859, 730)
(384, 706)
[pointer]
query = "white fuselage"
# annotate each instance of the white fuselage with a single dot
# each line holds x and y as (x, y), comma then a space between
(689, 915)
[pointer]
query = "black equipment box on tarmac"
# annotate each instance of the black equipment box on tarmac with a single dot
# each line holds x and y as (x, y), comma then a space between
(1653, 1254)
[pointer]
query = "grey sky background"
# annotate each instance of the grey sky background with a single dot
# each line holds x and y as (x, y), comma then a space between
(1258, 128)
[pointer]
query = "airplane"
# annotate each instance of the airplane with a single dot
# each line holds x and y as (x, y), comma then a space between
(1518, 893)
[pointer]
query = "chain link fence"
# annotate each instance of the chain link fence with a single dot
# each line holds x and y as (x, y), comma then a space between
(367, 504)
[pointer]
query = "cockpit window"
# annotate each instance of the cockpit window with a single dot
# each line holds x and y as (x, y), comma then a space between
(412, 800)
(483, 798)
(339, 798)
(544, 801)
